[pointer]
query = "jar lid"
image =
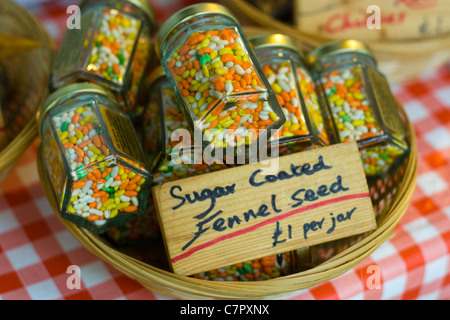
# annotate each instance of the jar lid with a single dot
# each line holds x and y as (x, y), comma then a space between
(186, 14)
(144, 5)
(154, 76)
(71, 89)
(337, 47)
(274, 40)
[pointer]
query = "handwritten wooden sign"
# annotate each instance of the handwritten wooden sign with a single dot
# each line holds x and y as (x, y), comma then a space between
(252, 211)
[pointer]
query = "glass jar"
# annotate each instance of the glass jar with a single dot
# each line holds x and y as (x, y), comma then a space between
(217, 79)
(92, 157)
(111, 48)
(361, 104)
(306, 123)
(168, 144)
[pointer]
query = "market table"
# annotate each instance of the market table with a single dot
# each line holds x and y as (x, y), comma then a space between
(36, 251)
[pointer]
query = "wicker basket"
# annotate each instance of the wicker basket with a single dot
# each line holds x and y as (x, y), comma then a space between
(27, 75)
(401, 61)
(391, 197)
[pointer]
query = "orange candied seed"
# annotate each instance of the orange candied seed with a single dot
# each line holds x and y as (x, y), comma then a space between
(227, 57)
(84, 143)
(93, 205)
(268, 261)
(93, 217)
(171, 63)
(280, 99)
(204, 50)
(75, 118)
(99, 194)
(68, 145)
(79, 184)
(131, 193)
(135, 179)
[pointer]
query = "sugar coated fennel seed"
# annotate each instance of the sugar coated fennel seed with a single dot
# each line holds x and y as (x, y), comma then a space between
(93, 158)
(217, 78)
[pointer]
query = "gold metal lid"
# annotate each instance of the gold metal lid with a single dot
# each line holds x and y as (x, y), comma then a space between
(144, 5)
(187, 14)
(336, 47)
(274, 40)
(71, 89)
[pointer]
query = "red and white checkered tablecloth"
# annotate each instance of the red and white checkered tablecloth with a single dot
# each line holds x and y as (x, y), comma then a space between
(36, 249)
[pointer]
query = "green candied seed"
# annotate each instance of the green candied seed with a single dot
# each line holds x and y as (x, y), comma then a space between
(64, 126)
(109, 70)
(204, 59)
(332, 91)
(241, 271)
(98, 44)
(121, 59)
(346, 118)
(80, 168)
(384, 156)
(248, 268)
(108, 176)
(82, 174)
(109, 189)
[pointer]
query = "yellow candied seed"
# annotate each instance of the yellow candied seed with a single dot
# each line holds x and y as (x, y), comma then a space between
(119, 193)
(358, 96)
(195, 87)
(79, 109)
(185, 74)
(370, 119)
(204, 86)
(94, 150)
(221, 71)
(190, 99)
(79, 134)
(276, 87)
(93, 158)
(294, 127)
(357, 123)
(140, 182)
(111, 206)
(192, 73)
(116, 200)
(254, 83)
(218, 64)
(64, 135)
(212, 55)
(71, 209)
(334, 98)
(239, 52)
(339, 102)
(74, 198)
(131, 175)
(273, 116)
(287, 134)
(205, 70)
(245, 59)
(287, 124)
(113, 213)
(73, 139)
(225, 51)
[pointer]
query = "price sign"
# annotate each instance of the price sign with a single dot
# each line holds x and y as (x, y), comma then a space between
(252, 211)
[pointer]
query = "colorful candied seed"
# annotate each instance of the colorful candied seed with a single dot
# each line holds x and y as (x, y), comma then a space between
(102, 188)
(354, 118)
(282, 80)
(112, 45)
(216, 78)
(254, 270)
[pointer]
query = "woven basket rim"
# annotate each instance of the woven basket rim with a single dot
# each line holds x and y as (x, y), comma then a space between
(168, 283)
(16, 147)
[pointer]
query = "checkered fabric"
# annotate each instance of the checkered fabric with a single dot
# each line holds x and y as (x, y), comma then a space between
(36, 249)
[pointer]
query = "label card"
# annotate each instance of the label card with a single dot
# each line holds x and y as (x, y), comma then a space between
(256, 210)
